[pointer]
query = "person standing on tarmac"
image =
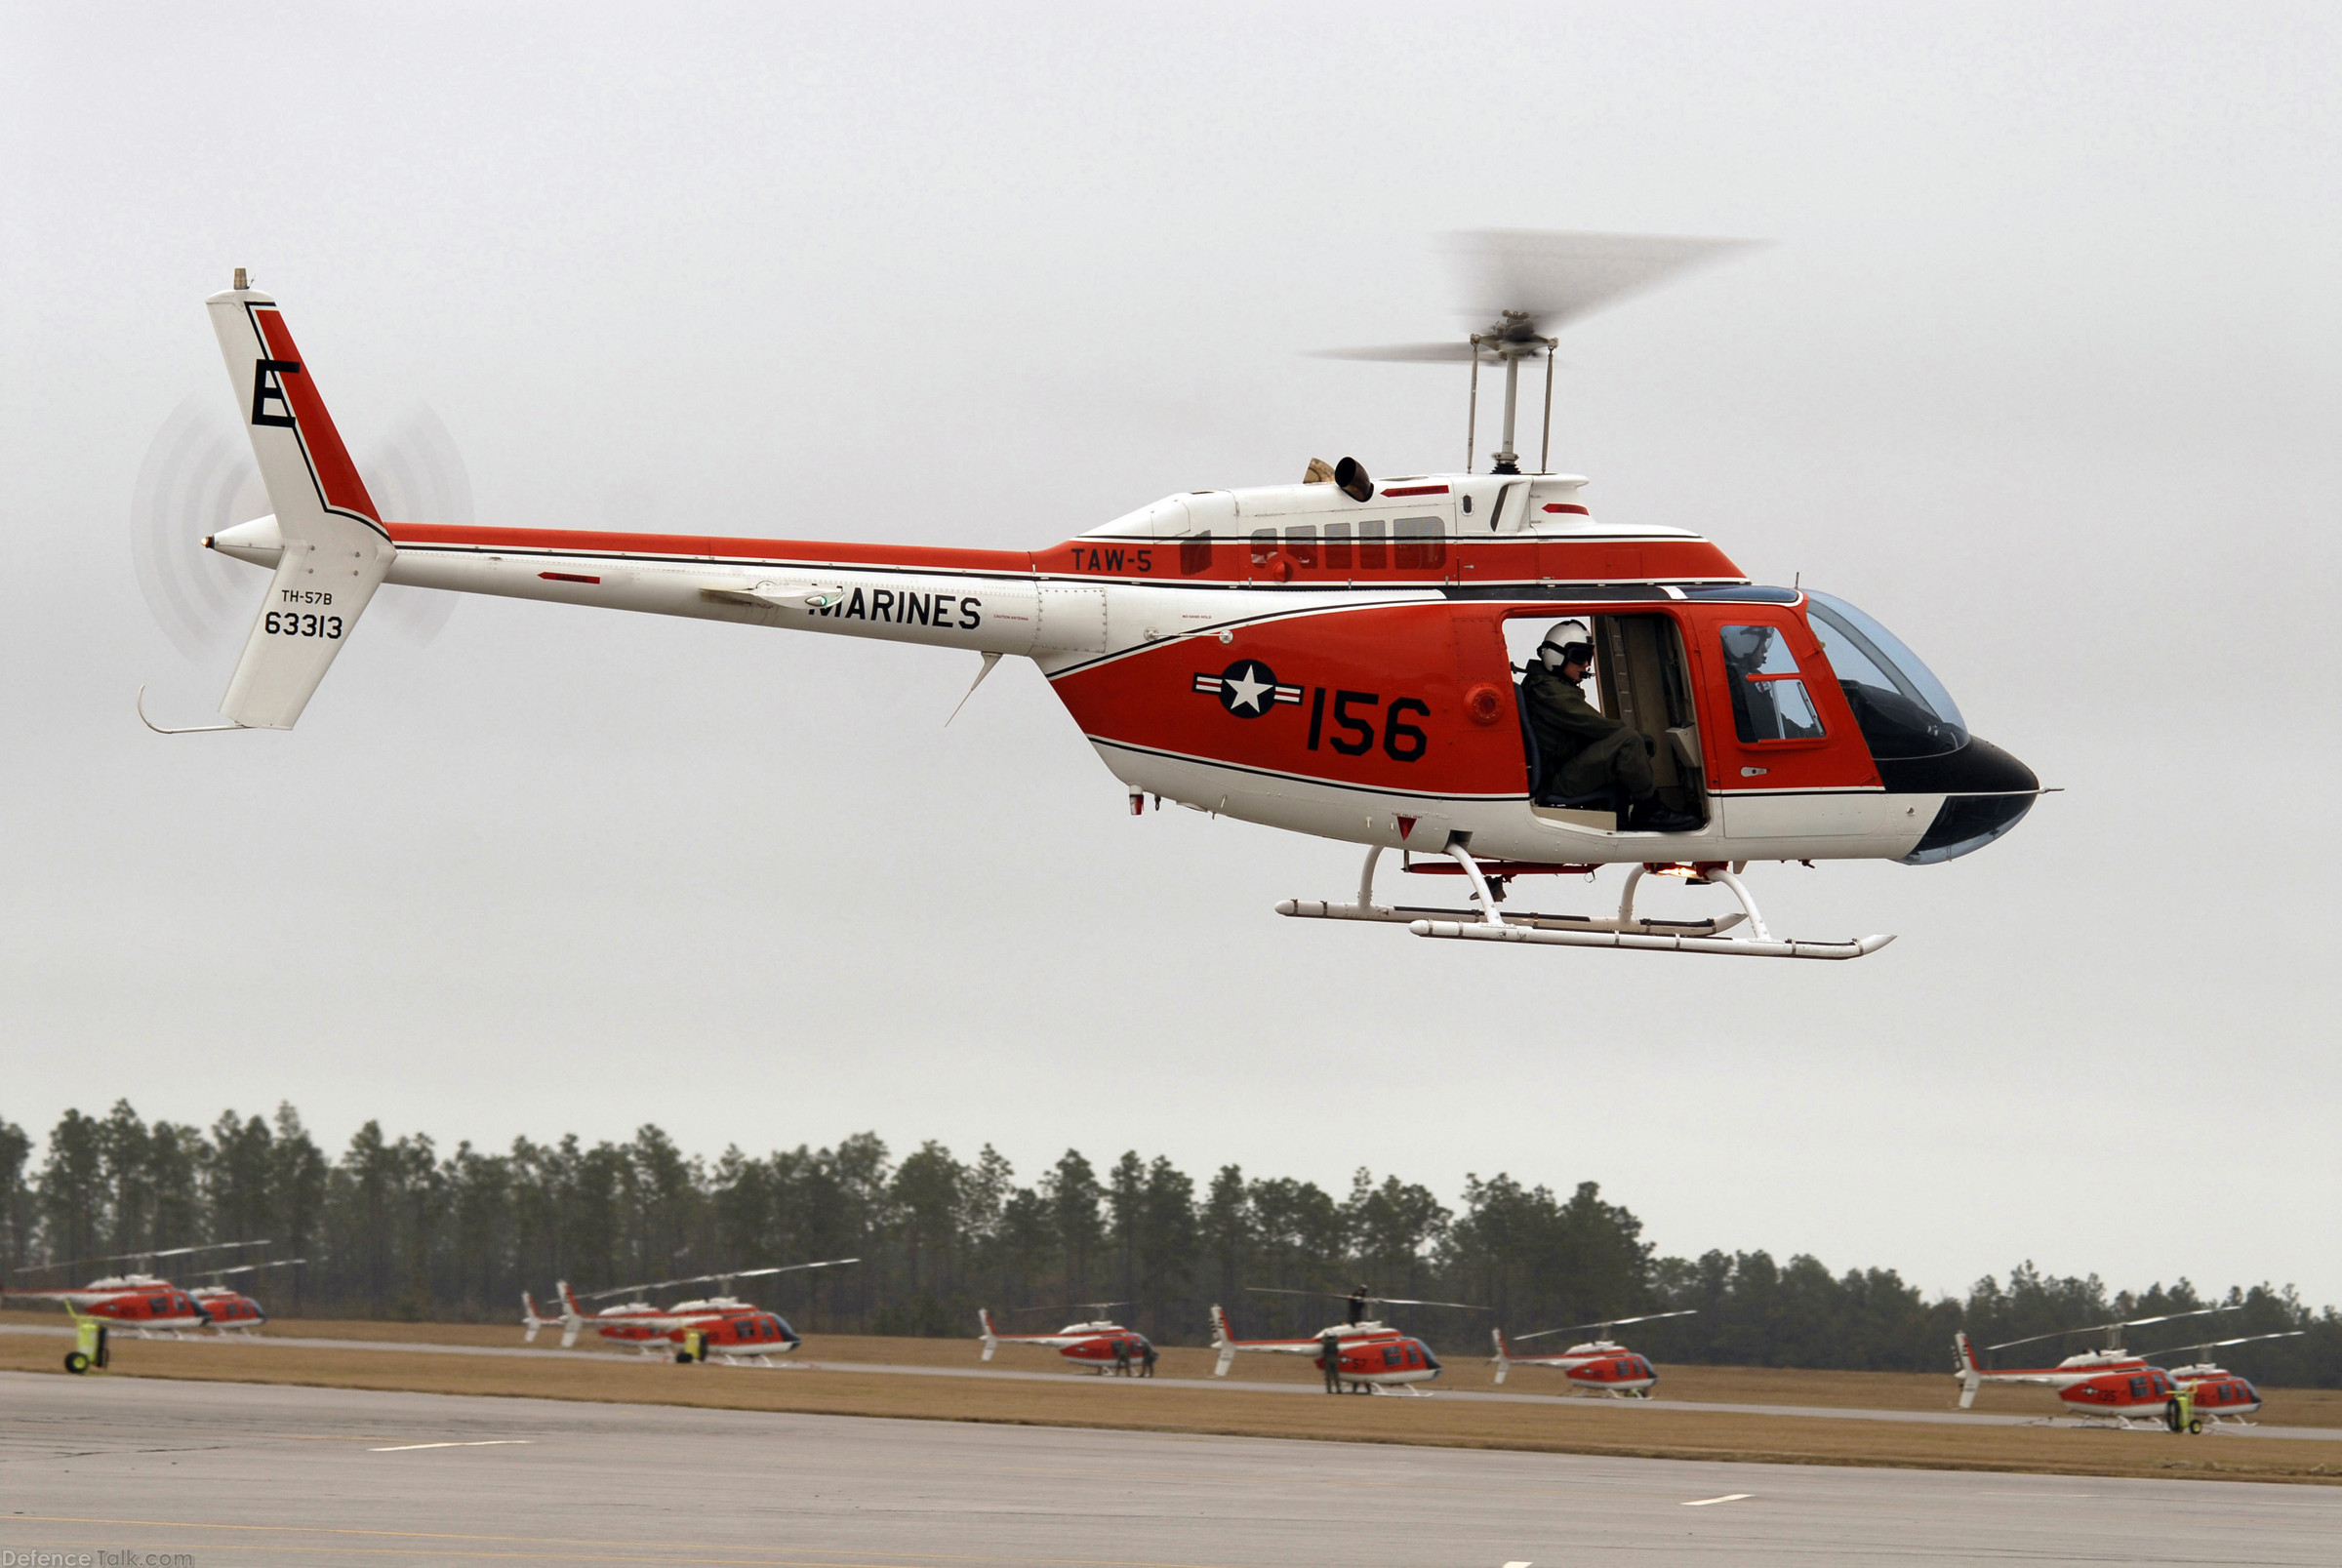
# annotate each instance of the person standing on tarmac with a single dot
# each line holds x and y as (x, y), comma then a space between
(1147, 1359)
(1357, 1305)
(1586, 753)
(1121, 1357)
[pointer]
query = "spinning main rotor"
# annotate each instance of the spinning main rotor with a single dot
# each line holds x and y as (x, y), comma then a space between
(1527, 284)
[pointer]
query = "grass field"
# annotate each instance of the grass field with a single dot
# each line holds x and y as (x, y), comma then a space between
(1581, 1426)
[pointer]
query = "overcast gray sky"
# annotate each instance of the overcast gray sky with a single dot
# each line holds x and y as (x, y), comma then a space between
(2040, 369)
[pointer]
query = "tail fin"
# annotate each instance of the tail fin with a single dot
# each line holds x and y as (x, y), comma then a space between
(1503, 1359)
(1964, 1368)
(530, 1322)
(336, 551)
(1224, 1341)
(572, 1316)
(992, 1341)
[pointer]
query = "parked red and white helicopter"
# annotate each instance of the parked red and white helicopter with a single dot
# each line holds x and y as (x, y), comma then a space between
(224, 1307)
(142, 1304)
(1100, 1346)
(2109, 1385)
(1326, 658)
(1363, 1355)
(729, 1330)
(1599, 1366)
(2218, 1396)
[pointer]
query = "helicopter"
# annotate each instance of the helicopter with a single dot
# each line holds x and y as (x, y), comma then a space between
(727, 1329)
(1328, 658)
(1601, 1366)
(142, 1304)
(1362, 1355)
(1098, 1346)
(224, 1307)
(2108, 1385)
(2220, 1397)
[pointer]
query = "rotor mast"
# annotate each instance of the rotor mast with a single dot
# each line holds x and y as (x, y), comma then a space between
(1511, 340)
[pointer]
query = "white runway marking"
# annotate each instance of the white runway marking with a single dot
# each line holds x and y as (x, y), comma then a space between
(485, 1442)
(1728, 1497)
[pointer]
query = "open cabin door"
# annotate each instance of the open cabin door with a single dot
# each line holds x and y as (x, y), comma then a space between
(1644, 679)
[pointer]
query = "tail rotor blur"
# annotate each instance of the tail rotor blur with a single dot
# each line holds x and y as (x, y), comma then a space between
(198, 478)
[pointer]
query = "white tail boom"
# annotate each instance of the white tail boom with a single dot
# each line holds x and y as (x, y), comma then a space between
(334, 550)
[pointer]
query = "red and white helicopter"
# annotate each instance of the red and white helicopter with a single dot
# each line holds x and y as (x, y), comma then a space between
(224, 1307)
(2218, 1396)
(729, 1330)
(1362, 1355)
(1327, 657)
(2109, 1385)
(142, 1304)
(1599, 1366)
(1100, 1346)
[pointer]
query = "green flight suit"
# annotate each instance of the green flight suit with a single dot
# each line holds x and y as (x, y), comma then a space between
(1585, 751)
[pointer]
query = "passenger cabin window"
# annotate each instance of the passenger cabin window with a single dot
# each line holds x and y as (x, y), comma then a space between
(1421, 544)
(1373, 555)
(1301, 542)
(1264, 545)
(1770, 700)
(1337, 548)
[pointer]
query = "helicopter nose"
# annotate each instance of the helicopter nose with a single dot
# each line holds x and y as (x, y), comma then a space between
(1986, 792)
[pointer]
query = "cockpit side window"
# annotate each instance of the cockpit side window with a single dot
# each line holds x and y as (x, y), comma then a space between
(1902, 710)
(1769, 699)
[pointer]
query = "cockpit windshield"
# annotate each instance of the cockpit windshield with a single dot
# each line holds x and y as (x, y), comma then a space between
(1903, 709)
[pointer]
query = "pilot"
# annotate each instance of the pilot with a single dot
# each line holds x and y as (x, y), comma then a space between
(1357, 1305)
(1585, 751)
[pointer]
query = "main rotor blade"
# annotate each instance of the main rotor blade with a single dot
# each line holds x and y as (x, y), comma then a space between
(707, 1279)
(143, 1257)
(2101, 1328)
(1553, 278)
(1073, 1307)
(1457, 350)
(2222, 1345)
(1606, 1323)
(1379, 1300)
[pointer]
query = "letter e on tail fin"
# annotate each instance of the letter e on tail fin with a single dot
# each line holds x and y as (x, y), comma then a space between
(335, 549)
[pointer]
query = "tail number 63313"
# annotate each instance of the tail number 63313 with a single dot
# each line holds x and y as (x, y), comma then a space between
(293, 624)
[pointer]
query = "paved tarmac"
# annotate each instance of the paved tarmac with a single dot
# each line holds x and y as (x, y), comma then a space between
(1949, 1418)
(235, 1474)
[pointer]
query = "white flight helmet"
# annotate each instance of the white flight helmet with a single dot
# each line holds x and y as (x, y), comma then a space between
(1563, 640)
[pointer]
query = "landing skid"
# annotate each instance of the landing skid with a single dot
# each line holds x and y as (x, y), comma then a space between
(1622, 930)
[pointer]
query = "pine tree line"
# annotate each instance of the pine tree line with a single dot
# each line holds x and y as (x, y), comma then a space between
(395, 1228)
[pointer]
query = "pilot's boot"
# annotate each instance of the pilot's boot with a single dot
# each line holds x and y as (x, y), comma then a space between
(1653, 816)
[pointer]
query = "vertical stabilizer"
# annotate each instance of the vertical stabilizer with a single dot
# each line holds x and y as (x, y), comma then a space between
(335, 549)
(1504, 1360)
(992, 1341)
(1970, 1378)
(1224, 1340)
